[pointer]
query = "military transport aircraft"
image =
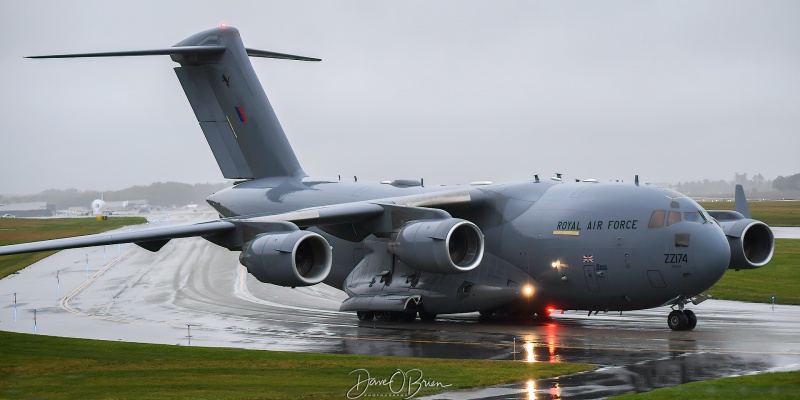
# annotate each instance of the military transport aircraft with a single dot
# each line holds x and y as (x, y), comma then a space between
(401, 249)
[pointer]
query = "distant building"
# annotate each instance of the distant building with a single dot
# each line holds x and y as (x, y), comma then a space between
(28, 210)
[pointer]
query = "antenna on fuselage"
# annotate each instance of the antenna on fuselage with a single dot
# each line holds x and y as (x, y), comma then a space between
(636, 180)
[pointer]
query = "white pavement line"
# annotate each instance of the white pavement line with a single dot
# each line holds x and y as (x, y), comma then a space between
(64, 303)
(245, 294)
(75, 292)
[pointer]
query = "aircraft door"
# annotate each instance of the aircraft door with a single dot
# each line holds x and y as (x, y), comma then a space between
(591, 278)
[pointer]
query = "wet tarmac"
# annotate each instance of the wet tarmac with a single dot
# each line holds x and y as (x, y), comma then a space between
(193, 293)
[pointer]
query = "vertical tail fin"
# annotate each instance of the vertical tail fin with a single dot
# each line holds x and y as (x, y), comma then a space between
(232, 108)
(233, 111)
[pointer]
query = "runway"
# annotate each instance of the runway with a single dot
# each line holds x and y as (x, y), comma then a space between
(786, 233)
(194, 293)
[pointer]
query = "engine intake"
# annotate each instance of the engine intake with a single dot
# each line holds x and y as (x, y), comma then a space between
(298, 258)
(448, 246)
(752, 243)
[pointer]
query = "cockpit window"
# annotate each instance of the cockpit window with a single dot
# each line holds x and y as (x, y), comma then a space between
(673, 217)
(693, 217)
(657, 219)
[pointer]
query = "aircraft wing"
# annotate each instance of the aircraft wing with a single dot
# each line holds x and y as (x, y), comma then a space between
(139, 236)
(344, 213)
(362, 210)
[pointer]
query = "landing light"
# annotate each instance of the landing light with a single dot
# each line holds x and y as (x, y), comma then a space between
(556, 264)
(528, 290)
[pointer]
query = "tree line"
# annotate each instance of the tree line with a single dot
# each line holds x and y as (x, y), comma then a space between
(784, 183)
(752, 183)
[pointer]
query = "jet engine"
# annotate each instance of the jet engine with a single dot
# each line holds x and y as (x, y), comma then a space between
(752, 242)
(447, 246)
(298, 258)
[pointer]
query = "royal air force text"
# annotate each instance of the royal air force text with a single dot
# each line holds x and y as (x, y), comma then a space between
(597, 225)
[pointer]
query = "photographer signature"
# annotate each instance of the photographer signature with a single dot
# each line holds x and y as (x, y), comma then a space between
(401, 383)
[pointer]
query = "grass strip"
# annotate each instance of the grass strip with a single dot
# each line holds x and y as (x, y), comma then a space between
(775, 385)
(779, 278)
(21, 230)
(33, 366)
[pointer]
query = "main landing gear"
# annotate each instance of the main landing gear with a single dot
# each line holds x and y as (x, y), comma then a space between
(405, 316)
(682, 320)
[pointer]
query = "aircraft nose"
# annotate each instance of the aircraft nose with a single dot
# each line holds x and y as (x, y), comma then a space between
(713, 254)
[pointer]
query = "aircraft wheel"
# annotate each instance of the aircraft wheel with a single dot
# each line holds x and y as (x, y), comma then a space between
(486, 313)
(408, 316)
(677, 320)
(692, 319)
(426, 316)
(383, 315)
(365, 315)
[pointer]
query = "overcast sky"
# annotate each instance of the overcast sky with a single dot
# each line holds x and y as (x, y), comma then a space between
(450, 91)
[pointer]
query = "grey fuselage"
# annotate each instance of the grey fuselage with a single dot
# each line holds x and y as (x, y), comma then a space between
(582, 245)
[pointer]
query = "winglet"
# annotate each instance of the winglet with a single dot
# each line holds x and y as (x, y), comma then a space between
(741, 202)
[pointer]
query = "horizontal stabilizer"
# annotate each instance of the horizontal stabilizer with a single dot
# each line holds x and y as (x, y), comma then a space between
(270, 54)
(183, 50)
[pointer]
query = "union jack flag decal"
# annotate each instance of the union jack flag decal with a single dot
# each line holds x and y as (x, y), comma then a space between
(588, 259)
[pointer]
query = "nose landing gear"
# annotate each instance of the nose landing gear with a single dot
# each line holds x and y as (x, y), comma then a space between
(682, 320)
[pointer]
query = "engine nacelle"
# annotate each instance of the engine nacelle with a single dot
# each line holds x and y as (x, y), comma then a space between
(448, 246)
(298, 258)
(752, 243)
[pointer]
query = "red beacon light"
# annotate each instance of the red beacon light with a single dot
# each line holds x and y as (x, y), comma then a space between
(223, 25)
